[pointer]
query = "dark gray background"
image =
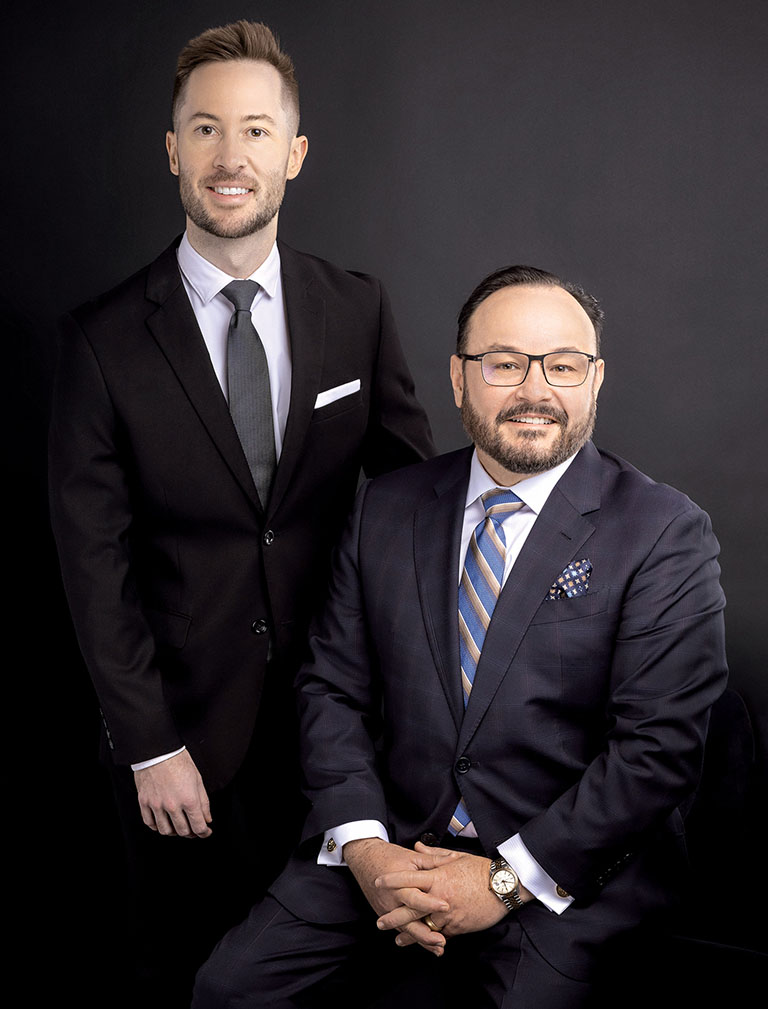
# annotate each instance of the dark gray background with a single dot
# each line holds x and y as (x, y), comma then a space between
(623, 145)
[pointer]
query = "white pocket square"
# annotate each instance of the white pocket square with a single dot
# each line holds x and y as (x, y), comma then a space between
(338, 392)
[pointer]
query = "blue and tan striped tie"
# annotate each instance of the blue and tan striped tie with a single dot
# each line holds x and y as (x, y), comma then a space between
(479, 590)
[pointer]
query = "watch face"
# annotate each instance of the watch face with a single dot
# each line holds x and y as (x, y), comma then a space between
(504, 881)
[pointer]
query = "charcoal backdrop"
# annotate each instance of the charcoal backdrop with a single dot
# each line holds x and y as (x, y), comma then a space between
(621, 144)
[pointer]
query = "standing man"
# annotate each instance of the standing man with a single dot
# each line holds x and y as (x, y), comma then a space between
(210, 420)
(506, 708)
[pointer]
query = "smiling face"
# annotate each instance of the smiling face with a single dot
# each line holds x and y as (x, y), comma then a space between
(529, 428)
(233, 148)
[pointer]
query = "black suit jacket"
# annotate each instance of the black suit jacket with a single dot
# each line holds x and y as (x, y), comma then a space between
(586, 722)
(179, 582)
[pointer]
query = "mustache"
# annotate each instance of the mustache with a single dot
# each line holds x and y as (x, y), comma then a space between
(542, 409)
(220, 179)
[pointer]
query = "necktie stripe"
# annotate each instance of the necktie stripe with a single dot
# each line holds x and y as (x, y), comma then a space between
(479, 590)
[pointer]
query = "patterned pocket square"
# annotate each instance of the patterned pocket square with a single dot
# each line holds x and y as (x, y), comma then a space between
(574, 581)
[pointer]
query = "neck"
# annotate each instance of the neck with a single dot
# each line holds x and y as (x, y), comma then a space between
(503, 477)
(238, 257)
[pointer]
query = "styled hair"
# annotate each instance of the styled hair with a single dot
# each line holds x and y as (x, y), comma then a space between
(241, 40)
(525, 276)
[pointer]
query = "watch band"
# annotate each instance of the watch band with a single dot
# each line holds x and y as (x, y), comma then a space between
(512, 900)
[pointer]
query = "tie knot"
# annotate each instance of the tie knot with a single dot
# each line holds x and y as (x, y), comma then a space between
(241, 293)
(499, 503)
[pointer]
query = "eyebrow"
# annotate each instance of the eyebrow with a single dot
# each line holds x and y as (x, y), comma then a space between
(261, 117)
(515, 350)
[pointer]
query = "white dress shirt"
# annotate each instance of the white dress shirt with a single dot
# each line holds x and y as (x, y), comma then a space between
(203, 283)
(534, 492)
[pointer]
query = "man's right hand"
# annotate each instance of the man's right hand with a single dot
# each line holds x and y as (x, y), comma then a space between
(173, 799)
(370, 857)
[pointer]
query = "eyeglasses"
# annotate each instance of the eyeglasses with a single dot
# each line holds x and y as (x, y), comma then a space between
(565, 368)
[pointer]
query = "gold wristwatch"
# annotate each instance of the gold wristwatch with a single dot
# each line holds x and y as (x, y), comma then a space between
(504, 883)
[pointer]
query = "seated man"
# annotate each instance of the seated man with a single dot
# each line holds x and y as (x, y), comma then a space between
(508, 695)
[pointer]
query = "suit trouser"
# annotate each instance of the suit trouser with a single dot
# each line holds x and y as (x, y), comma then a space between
(279, 961)
(188, 891)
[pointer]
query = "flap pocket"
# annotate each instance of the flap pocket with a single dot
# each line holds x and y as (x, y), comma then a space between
(169, 628)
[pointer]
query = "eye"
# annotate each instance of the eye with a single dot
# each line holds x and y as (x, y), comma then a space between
(205, 130)
(256, 132)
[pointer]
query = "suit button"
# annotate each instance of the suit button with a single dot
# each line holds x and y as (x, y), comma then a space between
(268, 538)
(463, 764)
(429, 839)
(259, 627)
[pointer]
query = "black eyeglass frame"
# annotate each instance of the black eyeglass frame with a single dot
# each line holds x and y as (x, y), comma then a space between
(591, 358)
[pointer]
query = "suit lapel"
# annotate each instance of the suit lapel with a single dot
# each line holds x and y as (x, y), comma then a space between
(558, 534)
(305, 310)
(175, 329)
(437, 536)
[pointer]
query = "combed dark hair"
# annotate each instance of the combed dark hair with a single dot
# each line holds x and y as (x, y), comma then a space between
(525, 276)
(241, 40)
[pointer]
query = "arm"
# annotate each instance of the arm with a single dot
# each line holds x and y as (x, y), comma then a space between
(92, 521)
(398, 430)
(668, 668)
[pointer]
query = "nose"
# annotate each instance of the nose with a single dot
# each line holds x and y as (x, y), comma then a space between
(535, 386)
(230, 154)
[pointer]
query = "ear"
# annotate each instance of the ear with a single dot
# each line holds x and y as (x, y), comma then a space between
(599, 376)
(296, 157)
(457, 379)
(173, 152)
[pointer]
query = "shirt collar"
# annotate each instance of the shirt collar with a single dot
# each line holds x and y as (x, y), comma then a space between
(533, 491)
(208, 280)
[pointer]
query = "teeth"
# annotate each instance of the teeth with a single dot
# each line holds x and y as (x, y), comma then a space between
(532, 420)
(230, 190)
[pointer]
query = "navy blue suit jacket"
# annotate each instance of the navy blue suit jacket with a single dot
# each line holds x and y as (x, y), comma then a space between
(586, 723)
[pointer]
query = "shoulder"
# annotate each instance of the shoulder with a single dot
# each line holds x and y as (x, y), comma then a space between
(405, 489)
(625, 486)
(327, 276)
(132, 298)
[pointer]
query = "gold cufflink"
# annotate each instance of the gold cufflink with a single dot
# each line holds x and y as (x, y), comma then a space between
(561, 892)
(331, 845)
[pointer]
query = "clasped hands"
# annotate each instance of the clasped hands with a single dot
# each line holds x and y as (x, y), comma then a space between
(404, 886)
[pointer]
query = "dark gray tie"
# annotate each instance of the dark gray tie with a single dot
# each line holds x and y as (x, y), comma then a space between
(250, 398)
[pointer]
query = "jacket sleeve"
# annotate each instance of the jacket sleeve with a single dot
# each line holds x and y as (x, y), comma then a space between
(398, 430)
(668, 668)
(91, 516)
(339, 702)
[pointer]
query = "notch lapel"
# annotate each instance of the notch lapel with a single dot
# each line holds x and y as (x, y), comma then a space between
(436, 538)
(175, 329)
(305, 311)
(558, 534)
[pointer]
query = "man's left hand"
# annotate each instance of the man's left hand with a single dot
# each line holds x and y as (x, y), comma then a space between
(462, 883)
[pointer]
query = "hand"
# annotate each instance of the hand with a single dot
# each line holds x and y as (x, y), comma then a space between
(371, 857)
(173, 799)
(461, 882)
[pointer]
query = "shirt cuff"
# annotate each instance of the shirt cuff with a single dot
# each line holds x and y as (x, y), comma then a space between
(156, 760)
(532, 876)
(335, 839)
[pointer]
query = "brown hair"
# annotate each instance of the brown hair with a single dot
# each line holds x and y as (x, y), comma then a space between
(241, 40)
(526, 276)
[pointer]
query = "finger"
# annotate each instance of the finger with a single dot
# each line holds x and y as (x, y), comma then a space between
(164, 824)
(205, 804)
(180, 823)
(148, 817)
(198, 821)
(419, 902)
(431, 858)
(418, 932)
(418, 879)
(403, 915)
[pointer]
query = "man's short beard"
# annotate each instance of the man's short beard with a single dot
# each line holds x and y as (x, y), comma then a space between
(527, 458)
(271, 199)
